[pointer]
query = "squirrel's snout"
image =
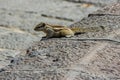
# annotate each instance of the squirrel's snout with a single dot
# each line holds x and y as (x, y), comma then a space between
(35, 29)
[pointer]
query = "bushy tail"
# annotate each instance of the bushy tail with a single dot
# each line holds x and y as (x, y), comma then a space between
(77, 30)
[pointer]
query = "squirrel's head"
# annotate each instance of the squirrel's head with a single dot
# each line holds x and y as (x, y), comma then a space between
(40, 26)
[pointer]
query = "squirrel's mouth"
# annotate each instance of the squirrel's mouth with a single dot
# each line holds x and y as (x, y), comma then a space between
(38, 29)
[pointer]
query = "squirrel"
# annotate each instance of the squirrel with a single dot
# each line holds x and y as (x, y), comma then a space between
(63, 31)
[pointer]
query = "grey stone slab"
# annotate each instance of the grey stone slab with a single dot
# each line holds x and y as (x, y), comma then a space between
(56, 58)
(6, 55)
(16, 40)
(97, 2)
(18, 19)
(110, 23)
(113, 10)
(28, 13)
(51, 59)
(71, 59)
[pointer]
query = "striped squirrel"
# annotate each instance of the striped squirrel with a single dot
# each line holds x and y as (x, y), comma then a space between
(63, 31)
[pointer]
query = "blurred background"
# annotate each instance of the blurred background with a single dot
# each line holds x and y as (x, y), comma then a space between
(26, 13)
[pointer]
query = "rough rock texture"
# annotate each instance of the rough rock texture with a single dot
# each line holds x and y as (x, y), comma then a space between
(29, 13)
(18, 18)
(57, 59)
(97, 2)
(114, 10)
(13, 42)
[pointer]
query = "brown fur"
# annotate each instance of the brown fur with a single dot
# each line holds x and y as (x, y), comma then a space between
(62, 31)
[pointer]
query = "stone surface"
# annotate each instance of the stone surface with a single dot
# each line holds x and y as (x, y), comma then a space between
(58, 59)
(114, 10)
(54, 58)
(97, 2)
(28, 13)
(13, 42)
(18, 18)
(16, 39)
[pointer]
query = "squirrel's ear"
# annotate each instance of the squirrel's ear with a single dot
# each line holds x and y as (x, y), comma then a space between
(41, 24)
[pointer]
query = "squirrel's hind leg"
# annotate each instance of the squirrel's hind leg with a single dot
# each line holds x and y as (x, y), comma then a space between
(67, 33)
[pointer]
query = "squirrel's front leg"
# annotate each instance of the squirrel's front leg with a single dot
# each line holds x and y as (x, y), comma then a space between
(49, 34)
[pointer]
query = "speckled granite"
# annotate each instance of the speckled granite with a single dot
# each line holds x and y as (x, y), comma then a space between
(18, 19)
(57, 59)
